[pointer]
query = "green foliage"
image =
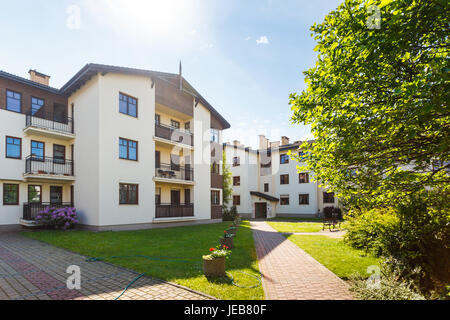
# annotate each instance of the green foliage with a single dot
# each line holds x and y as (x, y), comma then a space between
(377, 101)
(229, 214)
(227, 181)
(386, 287)
(365, 228)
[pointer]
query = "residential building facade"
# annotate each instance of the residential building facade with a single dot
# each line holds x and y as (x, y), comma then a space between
(266, 182)
(129, 148)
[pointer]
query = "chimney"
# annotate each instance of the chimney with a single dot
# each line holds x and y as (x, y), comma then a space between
(39, 77)
(263, 142)
(275, 144)
(284, 140)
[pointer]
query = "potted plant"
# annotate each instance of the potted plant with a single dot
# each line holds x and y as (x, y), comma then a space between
(214, 263)
(227, 240)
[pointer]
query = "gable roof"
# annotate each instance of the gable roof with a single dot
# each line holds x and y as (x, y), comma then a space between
(91, 69)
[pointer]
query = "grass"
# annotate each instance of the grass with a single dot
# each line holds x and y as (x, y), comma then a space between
(334, 254)
(185, 243)
(294, 227)
(294, 219)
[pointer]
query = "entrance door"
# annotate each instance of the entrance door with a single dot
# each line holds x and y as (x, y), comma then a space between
(56, 195)
(261, 210)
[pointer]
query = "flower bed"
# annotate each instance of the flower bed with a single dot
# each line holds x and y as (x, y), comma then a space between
(61, 218)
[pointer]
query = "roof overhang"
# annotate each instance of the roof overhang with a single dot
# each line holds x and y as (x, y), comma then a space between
(264, 196)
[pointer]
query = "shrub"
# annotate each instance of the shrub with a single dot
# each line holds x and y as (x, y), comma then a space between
(61, 218)
(366, 228)
(229, 215)
(386, 287)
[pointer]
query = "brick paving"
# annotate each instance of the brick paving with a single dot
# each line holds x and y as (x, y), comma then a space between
(33, 270)
(289, 273)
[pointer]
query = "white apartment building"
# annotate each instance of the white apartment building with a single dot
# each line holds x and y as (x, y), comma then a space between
(128, 148)
(266, 182)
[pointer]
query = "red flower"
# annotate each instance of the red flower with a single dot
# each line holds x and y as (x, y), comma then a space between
(225, 247)
(212, 249)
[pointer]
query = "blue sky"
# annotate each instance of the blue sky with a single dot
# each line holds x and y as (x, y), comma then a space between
(245, 57)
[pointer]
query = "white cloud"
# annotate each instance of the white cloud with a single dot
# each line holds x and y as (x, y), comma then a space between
(262, 40)
(248, 38)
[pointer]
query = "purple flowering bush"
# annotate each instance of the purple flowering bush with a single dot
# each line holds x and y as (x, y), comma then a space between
(61, 218)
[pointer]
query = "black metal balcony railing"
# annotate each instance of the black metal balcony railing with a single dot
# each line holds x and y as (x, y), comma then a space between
(50, 121)
(174, 210)
(174, 134)
(32, 210)
(174, 171)
(46, 165)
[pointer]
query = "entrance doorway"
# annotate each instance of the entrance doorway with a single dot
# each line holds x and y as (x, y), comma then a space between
(260, 210)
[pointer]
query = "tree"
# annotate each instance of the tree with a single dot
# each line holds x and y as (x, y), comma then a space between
(377, 101)
(227, 181)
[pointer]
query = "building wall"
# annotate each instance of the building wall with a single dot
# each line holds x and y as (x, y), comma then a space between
(202, 162)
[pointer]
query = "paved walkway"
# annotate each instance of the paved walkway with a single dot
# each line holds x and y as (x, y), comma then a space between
(331, 234)
(33, 270)
(289, 273)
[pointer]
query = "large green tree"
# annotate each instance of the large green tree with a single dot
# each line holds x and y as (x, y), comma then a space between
(377, 100)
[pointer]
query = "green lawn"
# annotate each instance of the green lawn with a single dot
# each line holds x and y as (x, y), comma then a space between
(294, 219)
(293, 227)
(334, 254)
(188, 244)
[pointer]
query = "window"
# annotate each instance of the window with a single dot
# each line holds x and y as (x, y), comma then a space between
(284, 158)
(10, 194)
(60, 113)
(175, 162)
(236, 181)
(158, 196)
(36, 105)
(303, 177)
(59, 154)
(174, 124)
(328, 197)
(266, 187)
(128, 149)
(13, 148)
(34, 194)
(284, 179)
(215, 168)
(13, 101)
(56, 195)
(214, 135)
(187, 196)
(236, 161)
(127, 105)
(303, 199)
(236, 200)
(187, 126)
(157, 119)
(128, 193)
(284, 200)
(37, 150)
(215, 197)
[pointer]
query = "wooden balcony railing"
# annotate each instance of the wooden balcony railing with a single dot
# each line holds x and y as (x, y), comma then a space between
(174, 210)
(216, 181)
(216, 212)
(174, 171)
(174, 134)
(50, 121)
(32, 210)
(46, 165)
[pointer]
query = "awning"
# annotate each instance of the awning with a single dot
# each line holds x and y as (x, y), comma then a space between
(263, 195)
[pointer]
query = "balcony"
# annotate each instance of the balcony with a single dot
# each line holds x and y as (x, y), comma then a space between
(174, 173)
(31, 210)
(216, 212)
(216, 181)
(173, 135)
(174, 210)
(49, 125)
(48, 168)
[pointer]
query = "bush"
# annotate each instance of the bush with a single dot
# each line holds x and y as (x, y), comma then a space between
(61, 218)
(229, 215)
(414, 236)
(365, 229)
(386, 287)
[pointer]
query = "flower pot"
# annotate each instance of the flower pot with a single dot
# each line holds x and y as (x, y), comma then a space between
(214, 267)
(232, 232)
(227, 242)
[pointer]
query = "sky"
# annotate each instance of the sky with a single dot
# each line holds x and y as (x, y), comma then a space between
(244, 57)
